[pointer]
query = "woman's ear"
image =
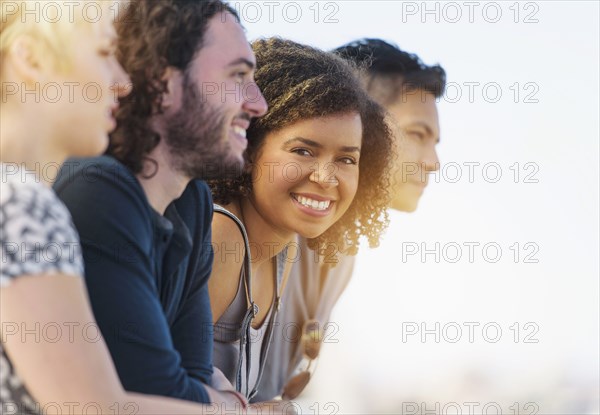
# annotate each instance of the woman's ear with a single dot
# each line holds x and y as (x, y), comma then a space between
(25, 60)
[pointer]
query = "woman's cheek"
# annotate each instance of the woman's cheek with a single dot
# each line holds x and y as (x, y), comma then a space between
(349, 179)
(293, 172)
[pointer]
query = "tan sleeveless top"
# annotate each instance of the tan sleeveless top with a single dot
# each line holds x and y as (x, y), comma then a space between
(303, 300)
(240, 350)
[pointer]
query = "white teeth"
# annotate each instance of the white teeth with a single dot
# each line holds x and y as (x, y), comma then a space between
(239, 131)
(313, 204)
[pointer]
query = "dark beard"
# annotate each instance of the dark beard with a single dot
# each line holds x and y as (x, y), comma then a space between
(195, 136)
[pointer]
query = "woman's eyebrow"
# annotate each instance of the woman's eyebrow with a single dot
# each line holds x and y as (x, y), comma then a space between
(312, 143)
(350, 149)
(303, 140)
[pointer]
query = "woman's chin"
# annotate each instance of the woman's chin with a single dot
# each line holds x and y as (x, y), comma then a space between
(311, 233)
(95, 147)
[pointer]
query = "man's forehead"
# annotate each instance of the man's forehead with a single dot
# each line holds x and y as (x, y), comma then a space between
(415, 112)
(224, 28)
(414, 96)
(415, 105)
(225, 43)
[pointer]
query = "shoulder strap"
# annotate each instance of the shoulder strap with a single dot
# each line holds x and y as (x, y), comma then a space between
(245, 339)
(247, 265)
(280, 260)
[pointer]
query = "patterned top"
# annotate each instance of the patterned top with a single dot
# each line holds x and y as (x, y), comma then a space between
(36, 237)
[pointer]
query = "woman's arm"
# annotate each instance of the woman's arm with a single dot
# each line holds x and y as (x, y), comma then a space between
(51, 338)
(229, 252)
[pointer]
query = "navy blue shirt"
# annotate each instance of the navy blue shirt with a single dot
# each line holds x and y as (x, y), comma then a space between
(146, 275)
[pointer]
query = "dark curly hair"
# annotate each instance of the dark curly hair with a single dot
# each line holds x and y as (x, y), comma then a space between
(154, 35)
(400, 71)
(300, 82)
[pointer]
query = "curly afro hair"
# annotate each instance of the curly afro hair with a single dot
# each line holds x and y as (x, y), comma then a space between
(299, 83)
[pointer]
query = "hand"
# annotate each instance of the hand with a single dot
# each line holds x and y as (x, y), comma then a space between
(223, 393)
(219, 381)
(228, 401)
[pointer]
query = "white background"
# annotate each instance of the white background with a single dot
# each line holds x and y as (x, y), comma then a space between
(551, 50)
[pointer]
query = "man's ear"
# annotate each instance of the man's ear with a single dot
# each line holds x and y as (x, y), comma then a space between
(26, 60)
(174, 79)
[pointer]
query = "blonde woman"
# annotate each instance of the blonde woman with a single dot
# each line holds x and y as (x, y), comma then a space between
(59, 83)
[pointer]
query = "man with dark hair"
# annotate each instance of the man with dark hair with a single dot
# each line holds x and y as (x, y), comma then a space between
(408, 89)
(143, 218)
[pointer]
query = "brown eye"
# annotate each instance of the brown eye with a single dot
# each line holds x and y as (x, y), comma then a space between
(348, 160)
(302, 152)
(240, 76)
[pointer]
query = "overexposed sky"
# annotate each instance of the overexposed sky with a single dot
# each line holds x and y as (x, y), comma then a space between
(531, 121)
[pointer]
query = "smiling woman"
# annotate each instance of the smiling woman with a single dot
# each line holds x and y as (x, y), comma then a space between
(317, 167)
(314, 175)
(303, 83)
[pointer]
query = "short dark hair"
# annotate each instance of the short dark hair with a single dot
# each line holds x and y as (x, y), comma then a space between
(154, 35)
(300, 82)
(400, 70)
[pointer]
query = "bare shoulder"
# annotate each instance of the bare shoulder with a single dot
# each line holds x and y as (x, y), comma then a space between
(229, 252)
(225, 230)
